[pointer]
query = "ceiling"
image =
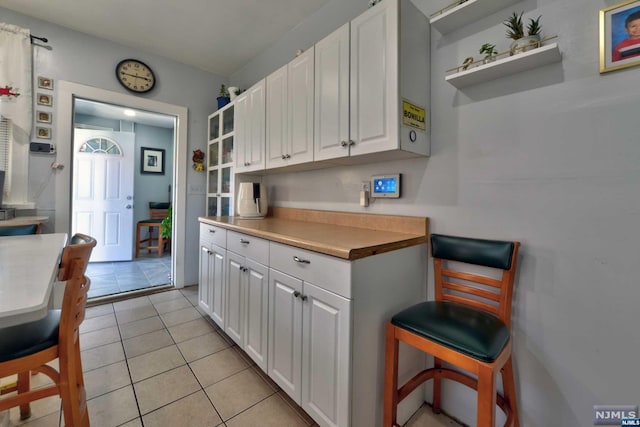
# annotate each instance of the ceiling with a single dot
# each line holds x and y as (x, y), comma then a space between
(117, 112)
(208, 34)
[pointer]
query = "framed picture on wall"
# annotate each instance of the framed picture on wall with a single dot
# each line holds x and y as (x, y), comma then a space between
(44, 99)
(620, 36)
(45, 82)
(43, 117)
(43, 132)
(152, 160)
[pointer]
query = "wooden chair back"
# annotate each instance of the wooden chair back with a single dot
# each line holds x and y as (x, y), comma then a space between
(80, 246)
(158, 210)
(455, 284)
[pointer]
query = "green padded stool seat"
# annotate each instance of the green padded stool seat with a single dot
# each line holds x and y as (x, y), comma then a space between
(475, 333)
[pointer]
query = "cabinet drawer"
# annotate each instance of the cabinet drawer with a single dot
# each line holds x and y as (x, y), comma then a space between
(251, 247)
(330, 273)
(213, 235)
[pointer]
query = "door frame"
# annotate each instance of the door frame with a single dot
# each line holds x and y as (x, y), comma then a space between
(66, 92)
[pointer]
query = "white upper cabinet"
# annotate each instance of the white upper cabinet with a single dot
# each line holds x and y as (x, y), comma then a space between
(378, 66)
(250, 129)
(331, 123)
(374, 79)
(290, 94)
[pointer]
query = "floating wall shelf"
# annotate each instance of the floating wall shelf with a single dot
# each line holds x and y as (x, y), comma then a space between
(465, 13)
(510, 65)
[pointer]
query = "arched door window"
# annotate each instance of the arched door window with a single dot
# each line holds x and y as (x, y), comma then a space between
(101, 145)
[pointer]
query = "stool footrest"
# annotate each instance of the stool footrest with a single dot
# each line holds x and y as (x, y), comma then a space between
(450, 374)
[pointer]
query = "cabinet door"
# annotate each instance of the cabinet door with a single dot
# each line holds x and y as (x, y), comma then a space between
(204, 289)
(234, 325)
(217, 282)
(285, 332)
(326, 356)
(277, 118)
(331, 120)
(250, 129)
(374, 79)
(300, 109)
(256, 312)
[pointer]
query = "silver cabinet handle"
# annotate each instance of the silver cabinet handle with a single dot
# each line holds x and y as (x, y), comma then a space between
(128, 206)
(300, 260)
(352, 142)
(244, 242)
(287, 156)
(205, 250)
(303, 297)
(283, 157)
(211, 230)
(343, 143)
(296, 294)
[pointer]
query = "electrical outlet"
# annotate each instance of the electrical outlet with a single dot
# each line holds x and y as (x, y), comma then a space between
(365, 186)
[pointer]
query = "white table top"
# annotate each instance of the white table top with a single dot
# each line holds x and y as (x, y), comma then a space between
(28, 268)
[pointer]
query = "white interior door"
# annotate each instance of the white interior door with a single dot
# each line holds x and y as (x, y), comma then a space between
(102, 204)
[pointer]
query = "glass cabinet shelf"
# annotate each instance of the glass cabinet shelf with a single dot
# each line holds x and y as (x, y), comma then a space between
(220, 162)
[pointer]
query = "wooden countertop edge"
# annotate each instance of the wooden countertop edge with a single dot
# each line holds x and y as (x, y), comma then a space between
(417, 225)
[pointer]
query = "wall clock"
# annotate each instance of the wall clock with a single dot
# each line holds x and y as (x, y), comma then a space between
(135, 75)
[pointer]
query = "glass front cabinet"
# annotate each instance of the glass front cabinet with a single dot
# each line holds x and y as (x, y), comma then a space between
(220, 162)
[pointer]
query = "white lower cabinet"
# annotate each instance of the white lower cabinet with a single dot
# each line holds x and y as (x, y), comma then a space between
(247, 295)
(310, 338)
(309, 347)
(315, 323)
(211, 298)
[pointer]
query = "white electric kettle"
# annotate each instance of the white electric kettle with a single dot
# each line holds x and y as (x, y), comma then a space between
(252, 200)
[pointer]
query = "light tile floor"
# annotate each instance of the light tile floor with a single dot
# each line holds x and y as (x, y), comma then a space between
(157, 361)
(146, 271)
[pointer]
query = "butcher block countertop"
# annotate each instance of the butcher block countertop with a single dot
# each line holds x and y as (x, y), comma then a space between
(341, 234)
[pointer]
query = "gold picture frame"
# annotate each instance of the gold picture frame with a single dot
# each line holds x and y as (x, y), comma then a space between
(43, 116)
(43, 132)
(620, 36)
(45, 82)
(45, 99)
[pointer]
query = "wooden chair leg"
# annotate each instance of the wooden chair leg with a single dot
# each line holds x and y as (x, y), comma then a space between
(160, 242)
(24, 384)
(486, 397)
(138, 240)
(509, 387)
(391, 378)
(72, 391)
(437, 386)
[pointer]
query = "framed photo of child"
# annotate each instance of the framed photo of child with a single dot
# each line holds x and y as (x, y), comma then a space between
(620, 36)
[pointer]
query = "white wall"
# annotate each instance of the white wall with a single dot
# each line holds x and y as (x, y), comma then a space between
(549, 157)
(91, 61)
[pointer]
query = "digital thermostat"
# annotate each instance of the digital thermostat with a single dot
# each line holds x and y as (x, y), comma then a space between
(385, 186)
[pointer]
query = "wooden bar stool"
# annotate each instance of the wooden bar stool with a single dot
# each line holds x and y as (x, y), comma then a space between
(468, 325)
(158, 211)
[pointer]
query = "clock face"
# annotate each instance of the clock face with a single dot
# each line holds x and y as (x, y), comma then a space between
(135, 76)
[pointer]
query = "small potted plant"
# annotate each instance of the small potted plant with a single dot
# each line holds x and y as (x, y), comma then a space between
(489, 51)
(223, 96)
(515, 30)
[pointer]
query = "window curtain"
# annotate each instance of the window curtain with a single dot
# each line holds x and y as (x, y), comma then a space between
(16, 91)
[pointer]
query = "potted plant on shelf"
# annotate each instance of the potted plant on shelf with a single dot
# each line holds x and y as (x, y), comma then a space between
(515, 30)
(489, 51)
(223, 96)
(166, 226)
